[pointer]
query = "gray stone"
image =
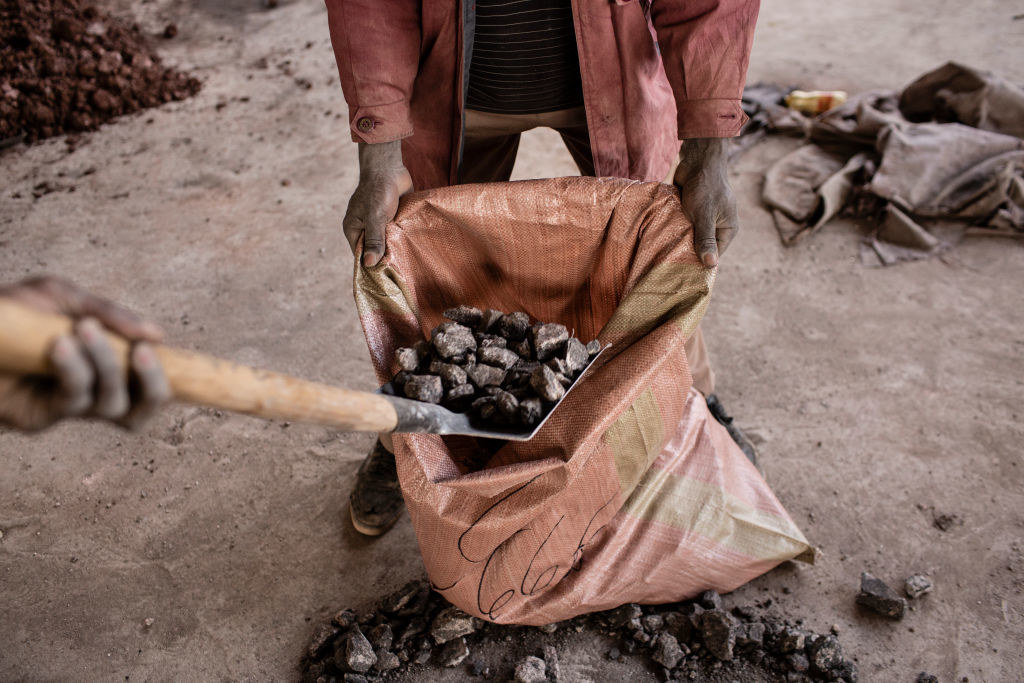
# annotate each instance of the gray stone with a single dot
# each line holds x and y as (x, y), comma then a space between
(459, 398)
(465, 315)
(546, 384)
(549, 340)
(718, 630)
(593, 347)
(750, 635)
(531, 670)
(453, 653)
(486, 407)
(387, 661)
(710, 599)
(621, 616)
(825, 654)
(653, 623)
(508, 405)
(359, 654)
(452, 375)
(426, 388)
(486, 341)
(498, 357)
(407, 359)
(554, 670)
(523, 348)
(667, 651)
(451, 623)
(381, 637)
(798, 662)
(925, 677)
(694, 613)
(917, 585)
(423, 349)
(514, 326)
(483, 375)
(678, 625)
(790, 640)
(876, 595)
(455, 341)
(354, 678)
(530, 410)
(576, 355)
(489, 320)
(846, 672)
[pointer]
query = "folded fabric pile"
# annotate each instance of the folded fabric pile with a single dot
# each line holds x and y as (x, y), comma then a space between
(941, 160)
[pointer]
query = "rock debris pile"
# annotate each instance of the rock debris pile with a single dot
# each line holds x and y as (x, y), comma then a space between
(508, 371)
(67, 67)
(415, 630)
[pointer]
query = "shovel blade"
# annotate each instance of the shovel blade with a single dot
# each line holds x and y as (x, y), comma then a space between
(429, 418)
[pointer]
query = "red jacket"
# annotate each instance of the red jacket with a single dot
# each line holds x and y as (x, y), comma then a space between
(401, 64)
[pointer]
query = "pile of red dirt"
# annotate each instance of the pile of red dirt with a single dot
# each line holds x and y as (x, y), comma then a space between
(67, 67)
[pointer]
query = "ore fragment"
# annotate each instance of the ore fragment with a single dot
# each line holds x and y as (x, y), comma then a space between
(484, 341)
(576, 355)
(718, 628)
(454, 341)
(876, 595)
(529, 412)
(667, 651)
(407, 359)
(489, 320)
(546, 384)
(426, 388)
(499, 357)
(465, 315)
(549, 339)
(485, 407)
(593, 347)
(514, 326)
(508, 405)
(453, 653)
(459, 398)
(483, 375)
(531, 670)
(917, 585)
(452, 375)
(451, 623)
(359, 655)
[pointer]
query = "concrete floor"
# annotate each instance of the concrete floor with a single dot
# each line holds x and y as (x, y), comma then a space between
(878, 397)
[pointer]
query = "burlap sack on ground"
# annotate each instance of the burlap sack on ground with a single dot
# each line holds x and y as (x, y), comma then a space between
(631, 492)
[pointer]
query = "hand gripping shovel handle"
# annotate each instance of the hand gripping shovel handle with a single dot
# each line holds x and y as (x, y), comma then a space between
(26, 336)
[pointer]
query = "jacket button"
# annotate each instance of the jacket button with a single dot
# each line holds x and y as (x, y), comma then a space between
(365, 124)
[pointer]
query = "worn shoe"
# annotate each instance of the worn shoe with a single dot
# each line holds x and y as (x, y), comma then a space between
(376, 502)
(726, 420)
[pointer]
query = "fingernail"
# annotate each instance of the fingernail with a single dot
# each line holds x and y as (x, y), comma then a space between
(89, 329)
(370, 259)
(62, 348)
(144, 357)
(710, 260)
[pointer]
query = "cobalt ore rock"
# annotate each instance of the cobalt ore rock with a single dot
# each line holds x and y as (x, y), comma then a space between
(505, 371)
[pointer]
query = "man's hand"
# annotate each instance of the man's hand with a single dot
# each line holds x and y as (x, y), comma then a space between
(89, 380)
(382, 180)
(706, 196)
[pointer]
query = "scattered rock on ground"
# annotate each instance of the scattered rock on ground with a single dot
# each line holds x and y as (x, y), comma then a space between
(917, 585)
(531, 670)
(877, 596)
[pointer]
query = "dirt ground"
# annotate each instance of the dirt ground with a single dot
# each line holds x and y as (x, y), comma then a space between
(878, 397)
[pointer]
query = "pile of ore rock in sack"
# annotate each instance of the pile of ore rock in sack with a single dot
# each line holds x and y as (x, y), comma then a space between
(508, 371)
(414, 634)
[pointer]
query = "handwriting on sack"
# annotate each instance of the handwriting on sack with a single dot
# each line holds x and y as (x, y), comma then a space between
(500, 562)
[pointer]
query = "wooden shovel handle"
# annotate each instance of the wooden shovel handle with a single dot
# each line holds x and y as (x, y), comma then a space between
(26, 336)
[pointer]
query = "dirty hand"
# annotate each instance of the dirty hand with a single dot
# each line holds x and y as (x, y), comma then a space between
(88, 380)
(706, 196)
(382, 180)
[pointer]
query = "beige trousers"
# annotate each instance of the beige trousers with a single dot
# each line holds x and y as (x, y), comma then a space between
(489, 153)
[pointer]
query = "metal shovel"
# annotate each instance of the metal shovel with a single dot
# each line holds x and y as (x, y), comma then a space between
(26, 335)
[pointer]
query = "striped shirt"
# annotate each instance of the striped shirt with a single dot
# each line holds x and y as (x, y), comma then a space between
(524, 58)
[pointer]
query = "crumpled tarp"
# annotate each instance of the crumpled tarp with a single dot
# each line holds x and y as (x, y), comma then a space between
(941, 160)
(631, 492)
